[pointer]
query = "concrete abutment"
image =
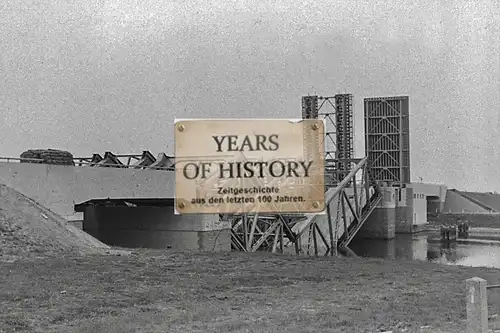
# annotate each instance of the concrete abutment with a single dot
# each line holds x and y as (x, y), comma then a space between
(61, 187)
(157, 228)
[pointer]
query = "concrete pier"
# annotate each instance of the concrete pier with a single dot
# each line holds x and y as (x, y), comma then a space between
(381, 223)
(404, 210)
(157, 228)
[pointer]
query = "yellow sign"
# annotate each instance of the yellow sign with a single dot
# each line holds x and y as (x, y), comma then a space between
(248, 166)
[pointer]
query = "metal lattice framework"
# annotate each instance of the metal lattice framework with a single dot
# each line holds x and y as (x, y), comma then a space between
(348, 207)
(311, 110)
(337, 112)
(327, 112)
(387, 138)
(345, 133)
(146, 160)
(351, 195)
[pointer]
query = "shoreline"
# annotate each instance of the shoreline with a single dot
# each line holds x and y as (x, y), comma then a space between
(466, 241)
(483, 237)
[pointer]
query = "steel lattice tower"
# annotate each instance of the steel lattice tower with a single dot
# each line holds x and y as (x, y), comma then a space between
(387, 138)
(337, 111)
(344, 135)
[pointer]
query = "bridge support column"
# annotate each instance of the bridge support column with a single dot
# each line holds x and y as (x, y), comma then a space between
(404, 210)
(381, 223)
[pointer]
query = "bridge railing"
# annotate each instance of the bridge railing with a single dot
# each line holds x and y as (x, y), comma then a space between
(19, 159)
(123, 166)
(86, 163)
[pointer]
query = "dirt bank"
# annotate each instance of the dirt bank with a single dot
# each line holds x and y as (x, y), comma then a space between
(235, 292)
(29, 229)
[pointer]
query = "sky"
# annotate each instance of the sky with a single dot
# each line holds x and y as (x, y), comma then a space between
(94, 76)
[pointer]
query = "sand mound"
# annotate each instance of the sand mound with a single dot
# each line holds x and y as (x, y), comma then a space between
(27, 228)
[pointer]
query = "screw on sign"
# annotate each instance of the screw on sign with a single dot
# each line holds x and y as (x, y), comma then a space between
(242, 166)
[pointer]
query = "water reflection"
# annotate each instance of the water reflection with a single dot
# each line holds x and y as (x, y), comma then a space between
(416, 247)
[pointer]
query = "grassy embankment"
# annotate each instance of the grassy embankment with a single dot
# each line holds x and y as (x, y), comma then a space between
(151, 291)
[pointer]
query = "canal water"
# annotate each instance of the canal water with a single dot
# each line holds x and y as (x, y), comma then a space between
(416, 247)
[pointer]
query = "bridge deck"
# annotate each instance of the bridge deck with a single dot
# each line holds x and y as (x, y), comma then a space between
(60, 187)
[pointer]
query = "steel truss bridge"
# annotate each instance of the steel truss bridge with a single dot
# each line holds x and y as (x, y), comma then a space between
(351, 193)
(349, 203)
(350, 200)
